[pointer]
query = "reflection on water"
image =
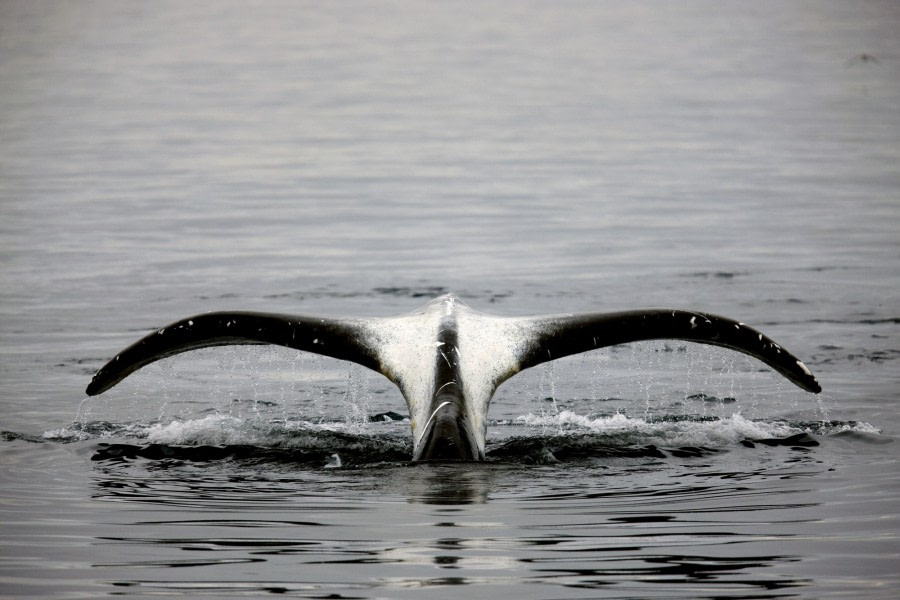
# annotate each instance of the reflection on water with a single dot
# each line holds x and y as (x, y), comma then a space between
(229, 504)
(448, 484)
(722, 523)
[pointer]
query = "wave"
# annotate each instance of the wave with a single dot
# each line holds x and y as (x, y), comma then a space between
(385, 438)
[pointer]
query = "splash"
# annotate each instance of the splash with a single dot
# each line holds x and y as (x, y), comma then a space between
(270, 400)
(710, 432)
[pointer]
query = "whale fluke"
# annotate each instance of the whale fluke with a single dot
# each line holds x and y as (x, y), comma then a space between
(337, 338)
(563, 335)
(446, 358)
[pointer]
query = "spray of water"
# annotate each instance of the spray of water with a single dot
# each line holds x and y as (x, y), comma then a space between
(646, 393)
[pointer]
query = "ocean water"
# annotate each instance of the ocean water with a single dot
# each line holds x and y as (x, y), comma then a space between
(166, 159)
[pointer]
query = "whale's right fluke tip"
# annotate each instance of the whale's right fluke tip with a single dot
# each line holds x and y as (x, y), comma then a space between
(808, 381)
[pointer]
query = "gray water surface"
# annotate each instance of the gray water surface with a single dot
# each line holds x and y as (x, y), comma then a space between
(166, 159)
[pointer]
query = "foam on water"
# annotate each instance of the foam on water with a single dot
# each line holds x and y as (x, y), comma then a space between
(381, 440)
(714, 432)
(215, 430)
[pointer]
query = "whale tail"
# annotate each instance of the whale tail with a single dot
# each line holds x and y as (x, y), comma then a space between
(448, 421)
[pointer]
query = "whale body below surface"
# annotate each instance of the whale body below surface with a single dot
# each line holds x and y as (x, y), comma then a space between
(446, 358)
